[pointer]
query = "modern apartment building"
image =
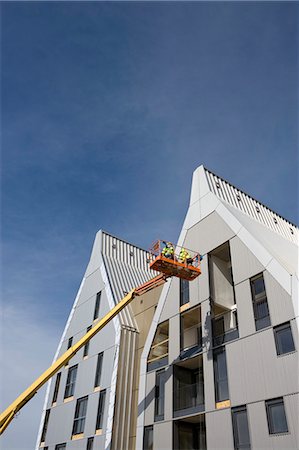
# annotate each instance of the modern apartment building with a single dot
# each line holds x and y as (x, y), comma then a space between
(206, 364)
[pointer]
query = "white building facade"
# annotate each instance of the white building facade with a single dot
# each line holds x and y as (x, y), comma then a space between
(207, 364)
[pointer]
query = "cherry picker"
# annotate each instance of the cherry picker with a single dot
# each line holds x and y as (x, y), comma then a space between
(169, 263)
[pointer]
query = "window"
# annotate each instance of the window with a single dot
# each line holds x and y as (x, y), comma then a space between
(148, 438)
(89, 445)
(70, 342)
(184, 292)
(101, 407)
(57, 383)
(97, 306)
(220, 375)
(240, 428)
(45, 426)
(191, 330)
(98, 370)
(86, 346)
(158, 355)
(277, 421)
(284, 339)
(260, 304)
(60, 447)
(80, 414)
(71, 381)
(160, 395)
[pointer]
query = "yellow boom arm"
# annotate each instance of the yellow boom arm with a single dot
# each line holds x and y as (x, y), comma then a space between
(7, 416)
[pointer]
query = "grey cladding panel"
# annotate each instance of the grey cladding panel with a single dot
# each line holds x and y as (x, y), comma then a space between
(171, 305)
(208, 234)
(244, 263)
(279, 301)
(92, 284)
(163, 436)
(246, 322)
(219, 430)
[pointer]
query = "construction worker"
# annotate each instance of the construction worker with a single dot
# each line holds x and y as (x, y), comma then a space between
(185, 256)
(168, 250)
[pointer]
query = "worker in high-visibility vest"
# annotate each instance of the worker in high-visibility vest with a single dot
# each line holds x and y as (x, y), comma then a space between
(168, 250)
(185, 256)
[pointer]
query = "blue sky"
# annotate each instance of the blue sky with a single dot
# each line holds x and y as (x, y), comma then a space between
(107, 108)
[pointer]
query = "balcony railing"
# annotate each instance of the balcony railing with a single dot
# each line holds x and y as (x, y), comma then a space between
(189, 396)
(225, 327)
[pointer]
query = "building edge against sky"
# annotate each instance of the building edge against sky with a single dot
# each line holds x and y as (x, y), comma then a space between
(201, 357)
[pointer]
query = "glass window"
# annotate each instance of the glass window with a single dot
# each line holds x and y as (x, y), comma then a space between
(80, 415)
(57, 383)
(184, 292)
(260, 303)
(71, 381)
(101, 407)
(97, 306)
(98, 370)
(191, 329)
(70, 342)
(86, 346)
(159, 395)
(220, 375)
(89, 445)
(60, 447)
(240, 428)
(45, 426)
(158, 355)
(148, 440)
(277, 421)
(284, 339)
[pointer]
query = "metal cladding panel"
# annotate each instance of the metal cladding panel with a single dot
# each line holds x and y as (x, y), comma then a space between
(279, 301)
(246, 322)
(163, 436)
(248, 205)
(244, 264)
(60, 423)
(219, 430)
(93, 283)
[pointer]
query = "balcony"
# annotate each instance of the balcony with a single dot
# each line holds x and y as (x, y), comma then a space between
(191, 333)
(224, 326)
(188, 392)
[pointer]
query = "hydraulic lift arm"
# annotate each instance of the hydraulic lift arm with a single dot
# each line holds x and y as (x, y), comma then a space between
(7, 416)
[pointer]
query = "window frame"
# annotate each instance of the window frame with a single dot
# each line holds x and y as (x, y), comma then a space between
(101, 410)
(217, 379)
(89, 443)
(159, 396)
(234, 412)
(184, 287)
(276, 330)
(146, 445)
(259, 299)
(97, 306)
(60, 446)
(99, 367)
(269, 405)
(80, 419)
(45, 426)
(68, 383)
(86, 346)
(56, 388)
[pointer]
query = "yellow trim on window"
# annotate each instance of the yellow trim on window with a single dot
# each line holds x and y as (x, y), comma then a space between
(99, 432)
(77, 436)
(224, 404)
(68, 399)
(184, 307)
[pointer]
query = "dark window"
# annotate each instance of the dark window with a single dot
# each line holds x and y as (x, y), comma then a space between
(45, 427)
(101, 407)
(277, 421)
(86, 346)
(158, 355)
(97, 306)
(148, 439)
(56, 389)
(98, 370)
(220, 375)
(80, 415)
(60, 447)
(240, 428)
(70, 342)
(159, 395)
(260, 303)
(89, 445)
(284, 339)
(184, 292)
(71, 381)
(190, 435)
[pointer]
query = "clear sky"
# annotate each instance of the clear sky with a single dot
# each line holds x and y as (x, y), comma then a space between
(107, 108)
